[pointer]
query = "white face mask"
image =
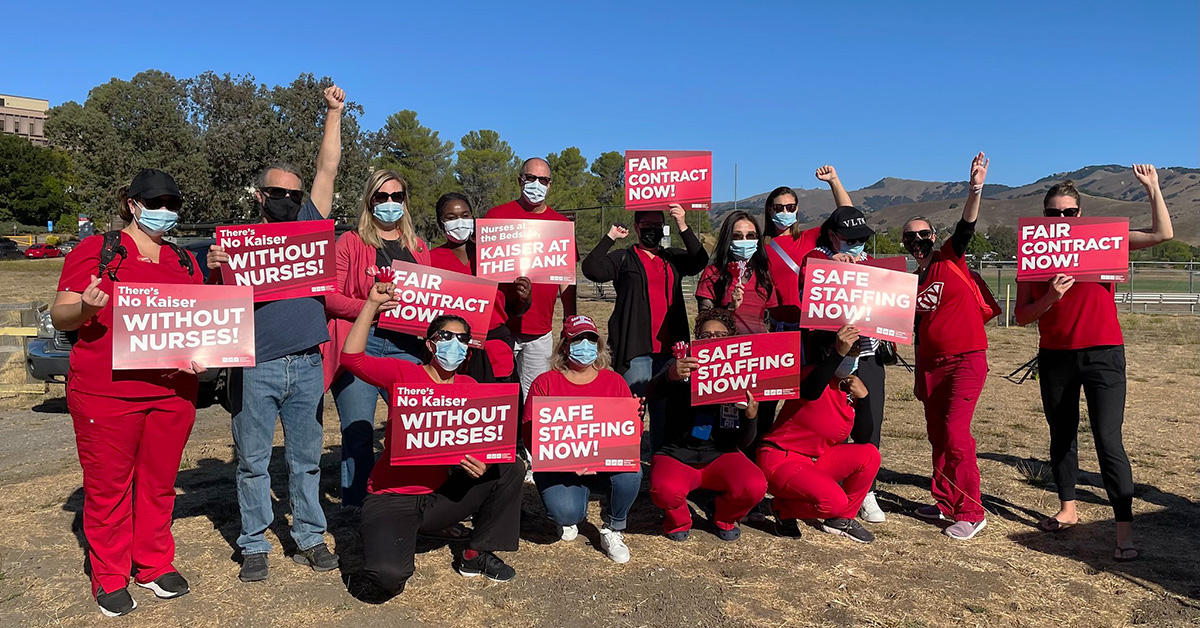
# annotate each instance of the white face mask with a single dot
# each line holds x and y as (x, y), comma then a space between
(535, 192)
(459, 230)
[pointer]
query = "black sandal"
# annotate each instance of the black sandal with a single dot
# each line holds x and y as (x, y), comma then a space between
(1120, 557)
(1051, 524)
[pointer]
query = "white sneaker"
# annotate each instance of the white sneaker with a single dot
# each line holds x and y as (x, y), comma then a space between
(613, 544)
(870, 511)
(568, 533)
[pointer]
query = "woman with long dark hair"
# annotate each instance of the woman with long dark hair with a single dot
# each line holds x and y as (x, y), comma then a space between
(739, 277)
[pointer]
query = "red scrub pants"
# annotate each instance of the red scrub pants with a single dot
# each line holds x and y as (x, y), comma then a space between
(832, 486)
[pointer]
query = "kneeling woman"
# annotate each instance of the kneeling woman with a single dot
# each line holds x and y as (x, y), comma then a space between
(403, 501)
(580, 368)
(811, 471)
(703, 447)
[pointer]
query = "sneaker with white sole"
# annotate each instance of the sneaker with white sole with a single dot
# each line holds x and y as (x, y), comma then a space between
(484, 564)
(930, 512)
(167, 586)
(965, 530)
(613, 544)
(568, 533)
(870, 511)
(115, 604)
(849, 528)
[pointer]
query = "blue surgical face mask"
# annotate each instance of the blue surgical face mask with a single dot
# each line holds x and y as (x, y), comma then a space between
(583, 352)
(450, 353)
(535, 192)
(847, 367)
(389, 213)
(854, 251)
(783, 220)
(743, 249)
(156, 222)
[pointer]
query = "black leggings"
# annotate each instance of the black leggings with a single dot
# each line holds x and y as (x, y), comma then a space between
(868, 414)
(1100, 371)
(391, 522)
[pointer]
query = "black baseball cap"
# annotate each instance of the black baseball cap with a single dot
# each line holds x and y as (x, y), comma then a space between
(151, 183)
(849, 223)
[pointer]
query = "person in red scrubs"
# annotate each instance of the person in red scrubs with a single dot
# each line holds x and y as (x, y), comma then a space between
(1081, 347)
(130, 426)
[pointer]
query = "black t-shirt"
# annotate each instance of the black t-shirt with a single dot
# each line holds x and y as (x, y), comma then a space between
(393, 251)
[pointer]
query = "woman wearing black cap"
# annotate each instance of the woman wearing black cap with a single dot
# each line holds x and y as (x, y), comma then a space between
(130, 426)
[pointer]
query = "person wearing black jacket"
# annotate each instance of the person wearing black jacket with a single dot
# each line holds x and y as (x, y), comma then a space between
(650, 314)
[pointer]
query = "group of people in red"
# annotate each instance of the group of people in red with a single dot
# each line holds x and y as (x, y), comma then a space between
(817, 456)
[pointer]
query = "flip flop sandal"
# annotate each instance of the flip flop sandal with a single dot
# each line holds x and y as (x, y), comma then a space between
(1121, 557)
(1050, 524)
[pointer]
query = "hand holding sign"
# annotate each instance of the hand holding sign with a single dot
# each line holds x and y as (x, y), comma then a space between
(847, 341)
(216, 256)
(473, 467)
(680, 216)
(1060, 284)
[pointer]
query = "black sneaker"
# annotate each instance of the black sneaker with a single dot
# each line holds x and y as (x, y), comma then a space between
(318, 557)
(115, 604)
(254, 568)
(786, 527)
(849, 528)
(679, 536)
(731, 534)
(167, 586)
(485, 564)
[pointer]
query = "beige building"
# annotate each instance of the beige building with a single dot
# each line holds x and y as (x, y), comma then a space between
(25, 117)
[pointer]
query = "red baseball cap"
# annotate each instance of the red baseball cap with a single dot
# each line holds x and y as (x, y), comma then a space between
(577, 325)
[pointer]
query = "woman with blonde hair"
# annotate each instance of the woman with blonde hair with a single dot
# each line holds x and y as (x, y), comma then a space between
(384, 234)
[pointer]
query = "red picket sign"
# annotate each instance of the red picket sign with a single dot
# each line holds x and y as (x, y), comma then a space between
(768, 365)
(1088, 249)
(880, 302)
(169, 326)
(542, 250)
(281, 260)
(586, 433)
(654, 179)
(425, 293)
(441, 423)
(898, 263)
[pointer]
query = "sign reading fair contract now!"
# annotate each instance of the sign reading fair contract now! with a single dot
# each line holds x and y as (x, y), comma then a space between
(654, 179)
(426, 293)
(880, 303)
(169, 326)
(1088, 249)
(542, 250)
(439, 424)
(281, 260)
(586, 433)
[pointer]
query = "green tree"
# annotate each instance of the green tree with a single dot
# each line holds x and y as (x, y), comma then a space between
(34, 184)
(979, 246)
(885, 243)
(574, 190)
(423, 159)
(486, 169)
(1004, 240)
(1169, 251)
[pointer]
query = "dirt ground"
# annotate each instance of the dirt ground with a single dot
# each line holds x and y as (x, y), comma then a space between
(1011, 575)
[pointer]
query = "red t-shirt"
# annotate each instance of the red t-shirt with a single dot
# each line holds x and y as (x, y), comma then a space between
(555, 384)
(1086, 316)
(386, 373)
(950, 320)
(787, 282)
(539, 319)
(91, 357)
(810, 427)
(660, 279)
(751, 313)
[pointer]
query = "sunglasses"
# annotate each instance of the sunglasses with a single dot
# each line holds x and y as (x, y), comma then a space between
(705, 335)
(857, 241)
(1059, 213)
(780, 207)
(278, 193)
(382, 197)
(446, 334)
(923, 234)
(173, 203)
(744, 236)
(530, 178)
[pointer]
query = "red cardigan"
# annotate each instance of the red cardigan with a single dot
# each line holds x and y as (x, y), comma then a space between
(354, 257)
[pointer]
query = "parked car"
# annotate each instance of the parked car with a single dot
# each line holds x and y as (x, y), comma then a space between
(9, 249)
(42, 251)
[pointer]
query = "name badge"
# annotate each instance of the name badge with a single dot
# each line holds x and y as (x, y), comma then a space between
(729, 416)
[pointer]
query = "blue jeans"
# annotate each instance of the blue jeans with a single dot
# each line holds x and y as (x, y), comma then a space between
(566, 495)
(356, 401)
(289, 388)
(641, 370)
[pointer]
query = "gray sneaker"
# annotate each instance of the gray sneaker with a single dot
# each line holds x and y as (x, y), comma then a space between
(849, 528)
(254, 568)
(318, 557)
(965, 530)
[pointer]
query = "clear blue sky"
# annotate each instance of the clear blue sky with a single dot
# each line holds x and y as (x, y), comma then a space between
(876, 88)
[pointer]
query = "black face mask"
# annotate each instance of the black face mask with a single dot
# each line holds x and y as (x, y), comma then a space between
(280, 209)
(920, 248)
(651, 236)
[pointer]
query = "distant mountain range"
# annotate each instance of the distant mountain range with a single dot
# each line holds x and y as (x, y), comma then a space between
(1108, 190)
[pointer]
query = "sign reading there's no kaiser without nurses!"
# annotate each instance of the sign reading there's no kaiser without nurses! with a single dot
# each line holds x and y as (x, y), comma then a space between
(880, 303)
(767, 365)
(654, 179)
(1088, 249)
(281, 260)
(586, 433)
(426, 293)
(441, 423)
(542, 250)
(169, 326)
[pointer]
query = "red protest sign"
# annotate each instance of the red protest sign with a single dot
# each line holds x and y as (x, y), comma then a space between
(898, 263)
(281, 260)
(542, 250)
(169, 326)
(1088, 249)
(426, 293)
(439, 424)
(586, 433)
(768, 365)
(655, 179)
(880, 302)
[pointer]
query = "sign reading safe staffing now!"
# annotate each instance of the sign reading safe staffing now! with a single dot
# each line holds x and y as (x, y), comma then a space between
(767, 365)
(169, 326)
(281, 260)
(586, 433)
(654, 179)
(425, 293)
(542, 250)
(1088, 249)
(880, 303)
(441, 423)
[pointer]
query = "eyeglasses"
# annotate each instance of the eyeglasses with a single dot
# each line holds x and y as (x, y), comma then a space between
(744, 236)
(278, 193)
(648, 225)
(173, 203)
(705, 335)
(382, 197)
(446, 334)
(781, 207)
(530, 178)
(857, 241)
(1069, 212)
(923, 234)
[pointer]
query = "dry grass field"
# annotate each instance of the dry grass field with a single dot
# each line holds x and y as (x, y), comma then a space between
(912, 576)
